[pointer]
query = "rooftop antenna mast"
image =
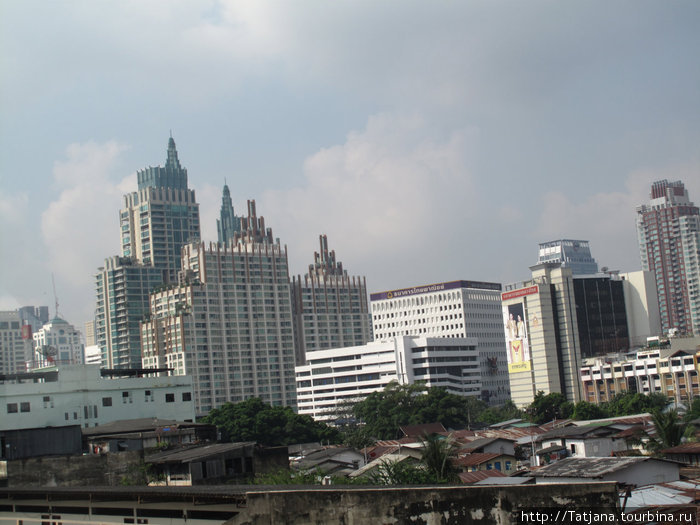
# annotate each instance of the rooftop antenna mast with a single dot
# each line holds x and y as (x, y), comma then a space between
(55, 297)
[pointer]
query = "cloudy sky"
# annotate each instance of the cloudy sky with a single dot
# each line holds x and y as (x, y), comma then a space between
(430, 141)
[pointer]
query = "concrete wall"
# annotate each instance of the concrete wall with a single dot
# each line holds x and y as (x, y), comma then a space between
(445, 505)
(75, 471)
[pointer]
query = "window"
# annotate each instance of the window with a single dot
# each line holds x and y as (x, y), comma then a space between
(187, 396)
(24, 406)
(106, 401)
(12, 408)
(169, 398)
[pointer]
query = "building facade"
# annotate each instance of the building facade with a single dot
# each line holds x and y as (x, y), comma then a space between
(15, 343)
(570, 253)
(642, 306)
(228, 323)
(58, 342)
(668, 229)
(228, 223)
(79, 395)
(155, 222)
(331, 378)
(123, 286)
(330, 308)
(542, 338)
(453, 309)
(667, 371)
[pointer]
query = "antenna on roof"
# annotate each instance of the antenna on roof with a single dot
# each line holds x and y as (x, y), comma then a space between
(55, 297)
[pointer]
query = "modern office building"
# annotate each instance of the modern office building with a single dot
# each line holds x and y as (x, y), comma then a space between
(34, 316)
(58, 342)
(155, 222)
(123, 287)
(330, 308)
(542, 337)
(570, 253)
(601, 314)
(81, 395)
(15, 343)
(228, 223)
(452, 309)
(228, 323)
(669, 244)
(336, 376)
(90, 337)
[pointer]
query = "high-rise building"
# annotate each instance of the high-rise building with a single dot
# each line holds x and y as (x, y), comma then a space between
(330, 308)
(642, 306)
(228, 322)
(15, 343)
(58, 342)
(571, 254)
(34, 316)
(156, 221)
(669, 243)
(462, 309)
(541, 330)
(159, 218)
(123, 286)
(228, 223)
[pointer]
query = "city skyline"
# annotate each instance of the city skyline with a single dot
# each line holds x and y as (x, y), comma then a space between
(403, 135)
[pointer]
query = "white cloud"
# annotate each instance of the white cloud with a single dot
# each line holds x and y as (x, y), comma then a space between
(80, 227)
(387, 196)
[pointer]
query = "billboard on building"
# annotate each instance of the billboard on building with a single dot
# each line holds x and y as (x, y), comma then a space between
(517, 342)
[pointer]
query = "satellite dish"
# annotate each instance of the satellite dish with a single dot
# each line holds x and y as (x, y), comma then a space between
(48, 351)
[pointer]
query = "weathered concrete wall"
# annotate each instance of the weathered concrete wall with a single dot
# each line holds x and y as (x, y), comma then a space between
(75, 471)
(488, 505)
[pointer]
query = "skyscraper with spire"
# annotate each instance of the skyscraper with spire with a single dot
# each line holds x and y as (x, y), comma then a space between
(228, 224)
(155, 222)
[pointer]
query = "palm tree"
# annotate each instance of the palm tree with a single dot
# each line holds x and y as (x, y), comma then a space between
(437, 455)
(669, 430)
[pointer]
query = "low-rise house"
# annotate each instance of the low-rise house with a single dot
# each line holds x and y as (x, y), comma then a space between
(577, 441)
(686, 453)
(216, 463)
(145, 433)
(489, 445)
(471, 478)
(409, 455)
(486, 461)
(637, 471)
(331, 460)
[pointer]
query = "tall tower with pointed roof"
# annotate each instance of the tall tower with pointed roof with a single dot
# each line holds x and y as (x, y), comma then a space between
(155, 222)
(228, 224)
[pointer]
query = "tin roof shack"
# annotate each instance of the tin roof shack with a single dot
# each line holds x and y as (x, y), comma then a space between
(577, 441)
(686, 453)
(489, 445)
(332, 460)
(216, 463)
(486, 461)
(144, 433)
(637, 471)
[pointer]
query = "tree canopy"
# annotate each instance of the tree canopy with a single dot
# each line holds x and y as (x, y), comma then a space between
(383, 412)
(254, 420)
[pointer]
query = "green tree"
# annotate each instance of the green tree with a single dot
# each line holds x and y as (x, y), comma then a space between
(548, 407)
(254, 420)
(693, 412)
(630, 403)
(404, 472)
(385, 411)
(438, 456)
(505, 412)
(669, 431)
(584, 410)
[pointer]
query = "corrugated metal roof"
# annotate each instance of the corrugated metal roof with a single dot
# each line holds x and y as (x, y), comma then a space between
(186, 455)
(588, 467)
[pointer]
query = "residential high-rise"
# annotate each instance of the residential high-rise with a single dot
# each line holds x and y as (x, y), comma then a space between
(462, 309)
(228, 223)
(330, 308)
(669, 244)
(15, 343)
(228, 322)
(156, 221)
(159, 218)
(571, 254)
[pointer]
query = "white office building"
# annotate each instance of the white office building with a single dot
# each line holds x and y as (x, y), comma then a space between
(332, 377)
(451, 309)
(58, 342)
(15, 343)
(80, 395)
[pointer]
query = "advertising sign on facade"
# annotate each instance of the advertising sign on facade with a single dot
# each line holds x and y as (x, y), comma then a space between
(517, 343)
